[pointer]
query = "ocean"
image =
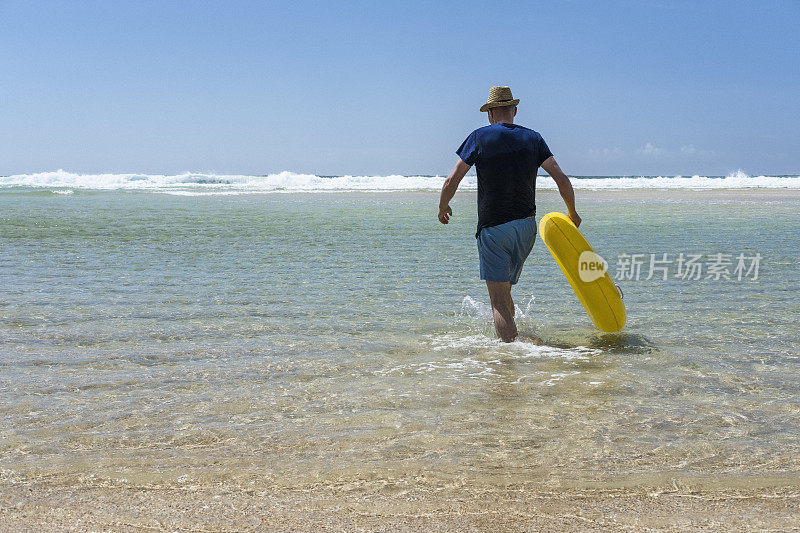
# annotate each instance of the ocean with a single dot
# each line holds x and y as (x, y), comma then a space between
(302, 331)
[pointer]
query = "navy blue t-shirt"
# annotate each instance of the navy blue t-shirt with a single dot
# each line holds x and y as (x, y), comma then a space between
(506, 158)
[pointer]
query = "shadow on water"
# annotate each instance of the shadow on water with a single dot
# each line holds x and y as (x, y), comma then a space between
(633, 343)
(615, 343)
(530, 337)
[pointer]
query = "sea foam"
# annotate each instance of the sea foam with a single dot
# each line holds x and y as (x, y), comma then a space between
(199, 183)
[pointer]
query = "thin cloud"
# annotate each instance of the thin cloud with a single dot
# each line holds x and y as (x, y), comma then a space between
(692, 150)
(650, 149)
(607, 154)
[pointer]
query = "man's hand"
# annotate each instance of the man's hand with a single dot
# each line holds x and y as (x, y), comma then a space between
(564, 187)
(449, 190)
(573, 216)
(444, 214)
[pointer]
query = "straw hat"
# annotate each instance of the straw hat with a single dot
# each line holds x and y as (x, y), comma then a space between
(499, 97)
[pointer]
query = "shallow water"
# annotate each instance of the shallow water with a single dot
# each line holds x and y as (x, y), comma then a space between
(321, 337)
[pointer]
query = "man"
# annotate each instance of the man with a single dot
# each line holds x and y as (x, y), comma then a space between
(506, 158)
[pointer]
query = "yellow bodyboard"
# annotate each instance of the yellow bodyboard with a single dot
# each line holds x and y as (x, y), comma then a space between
(593, 286)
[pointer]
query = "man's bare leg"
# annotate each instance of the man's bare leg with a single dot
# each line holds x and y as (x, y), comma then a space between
(502, 309)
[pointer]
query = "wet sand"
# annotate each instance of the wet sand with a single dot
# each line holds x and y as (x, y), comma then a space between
(39, 505)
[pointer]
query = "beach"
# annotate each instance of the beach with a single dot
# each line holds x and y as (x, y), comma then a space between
(395, 507)
(290, 353)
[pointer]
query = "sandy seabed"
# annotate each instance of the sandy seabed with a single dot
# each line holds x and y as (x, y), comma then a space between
(43, 506)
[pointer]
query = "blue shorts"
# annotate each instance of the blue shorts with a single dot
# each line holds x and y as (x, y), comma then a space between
(504, 248)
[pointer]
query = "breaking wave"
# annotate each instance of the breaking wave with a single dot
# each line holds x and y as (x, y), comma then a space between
(190, 183)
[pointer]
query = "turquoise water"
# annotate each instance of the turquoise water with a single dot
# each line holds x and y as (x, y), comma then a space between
(327, 337)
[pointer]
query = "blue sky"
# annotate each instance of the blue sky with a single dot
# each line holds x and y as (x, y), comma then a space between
(627, 87)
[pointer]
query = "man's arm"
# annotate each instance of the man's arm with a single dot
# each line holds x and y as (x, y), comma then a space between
(449, 190)
(564, 187)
